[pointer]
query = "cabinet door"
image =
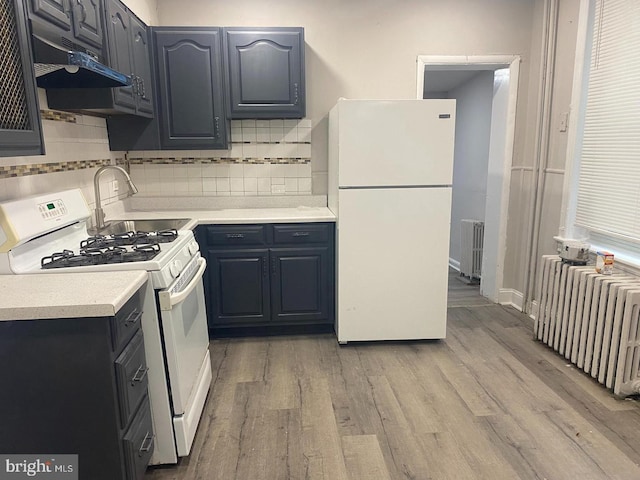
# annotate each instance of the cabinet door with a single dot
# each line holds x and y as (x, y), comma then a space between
(266, 72)
(300, 284)
(238, 286)
(190, 81)
(20, 131)
(119, 35)
(53, 11)
(142, 66)
(87, 22)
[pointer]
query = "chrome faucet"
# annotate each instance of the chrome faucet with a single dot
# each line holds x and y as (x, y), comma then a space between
(96, 186)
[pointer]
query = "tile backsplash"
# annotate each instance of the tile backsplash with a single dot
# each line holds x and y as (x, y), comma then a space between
(267, 157)
(76, 145)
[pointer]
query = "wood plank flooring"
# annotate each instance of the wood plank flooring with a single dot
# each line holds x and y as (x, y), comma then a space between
(488, 402)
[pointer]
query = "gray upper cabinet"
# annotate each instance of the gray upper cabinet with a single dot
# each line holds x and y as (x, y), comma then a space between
(128, 48)
(87, 21)
(128, 51)
(190, 79)
(20, 128)
(140, 54)
(265, 69)
(78, 22)
(119, 39)
(53, 11)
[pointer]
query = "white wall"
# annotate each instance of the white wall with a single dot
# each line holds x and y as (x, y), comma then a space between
(490, 283)
(473, 127)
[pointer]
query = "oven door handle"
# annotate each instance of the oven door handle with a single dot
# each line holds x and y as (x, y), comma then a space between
(168, 301)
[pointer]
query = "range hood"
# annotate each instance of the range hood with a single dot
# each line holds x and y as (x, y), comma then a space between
(57, 67)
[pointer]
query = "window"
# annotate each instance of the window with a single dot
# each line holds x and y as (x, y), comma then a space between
(608, 189)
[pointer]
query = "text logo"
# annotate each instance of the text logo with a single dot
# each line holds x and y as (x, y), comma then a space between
(39, 467)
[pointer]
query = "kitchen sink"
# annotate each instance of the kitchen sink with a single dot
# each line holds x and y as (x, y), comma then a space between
(144, 225)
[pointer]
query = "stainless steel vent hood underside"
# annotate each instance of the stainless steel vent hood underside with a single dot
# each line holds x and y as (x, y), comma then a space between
(56, 67)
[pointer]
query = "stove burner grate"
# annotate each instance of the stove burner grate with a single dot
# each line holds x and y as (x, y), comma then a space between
(95, 255)
(130, 238)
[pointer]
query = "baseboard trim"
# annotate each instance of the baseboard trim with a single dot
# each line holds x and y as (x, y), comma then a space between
(454, 264)
(509, 296)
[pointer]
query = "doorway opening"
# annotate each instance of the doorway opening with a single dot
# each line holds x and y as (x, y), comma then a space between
(486, 90)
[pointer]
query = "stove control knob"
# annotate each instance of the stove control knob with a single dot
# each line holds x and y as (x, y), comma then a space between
(175, 268)
(193, 247)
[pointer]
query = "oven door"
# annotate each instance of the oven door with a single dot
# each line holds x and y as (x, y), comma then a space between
(186, 342)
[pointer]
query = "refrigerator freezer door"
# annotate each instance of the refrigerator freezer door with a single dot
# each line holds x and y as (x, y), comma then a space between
(393, 250)
(395, 142)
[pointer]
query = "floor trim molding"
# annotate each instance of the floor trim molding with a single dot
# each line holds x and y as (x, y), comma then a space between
(510, 296)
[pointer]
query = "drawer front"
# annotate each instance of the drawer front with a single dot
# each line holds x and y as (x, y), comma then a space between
(138, 443)
(131, 375)
(126, 322)
(237, 235)
(307, 233)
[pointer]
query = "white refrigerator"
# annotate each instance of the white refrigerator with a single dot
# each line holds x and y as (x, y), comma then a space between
(390, 175)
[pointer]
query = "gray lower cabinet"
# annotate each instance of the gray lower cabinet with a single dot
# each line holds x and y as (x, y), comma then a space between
(266, 74)
(128, 50)
(78, 386)
(268, 276)
(20, 127)
(190, 110)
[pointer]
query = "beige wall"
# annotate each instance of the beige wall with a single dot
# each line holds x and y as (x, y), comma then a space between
(147, 10)
(524, 173)
(368, 48)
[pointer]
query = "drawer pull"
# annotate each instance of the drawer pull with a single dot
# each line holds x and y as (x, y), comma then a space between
(147, 443)
(133, 318)
(235, 235)
(300, 234)
(140, 374)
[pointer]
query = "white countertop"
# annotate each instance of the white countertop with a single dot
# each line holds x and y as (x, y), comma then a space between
(234, 215)
(66, 295)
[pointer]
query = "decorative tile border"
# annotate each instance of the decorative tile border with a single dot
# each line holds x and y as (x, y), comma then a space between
(58, 116)
(271, 143)
(216, 160)
(13, 171)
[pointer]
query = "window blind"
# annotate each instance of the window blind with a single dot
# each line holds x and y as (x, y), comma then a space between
(609, 180)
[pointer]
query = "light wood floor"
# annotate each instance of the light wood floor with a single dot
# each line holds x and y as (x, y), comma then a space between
(486, 403)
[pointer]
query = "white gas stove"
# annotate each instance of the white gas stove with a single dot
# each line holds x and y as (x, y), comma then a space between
(48, 234)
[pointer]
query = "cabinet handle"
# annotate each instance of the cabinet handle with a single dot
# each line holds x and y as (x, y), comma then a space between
(295, 94)
(143, 91)
(217, 126)
(300, 234)
(140, 374)
(235, 235)
(134, 84)
(67, 7)
(146, 444)
(83, 10)
(273, 266)
(133, 318)
(265, 268)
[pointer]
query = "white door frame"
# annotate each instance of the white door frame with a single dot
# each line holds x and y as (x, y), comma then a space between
(486, 62)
